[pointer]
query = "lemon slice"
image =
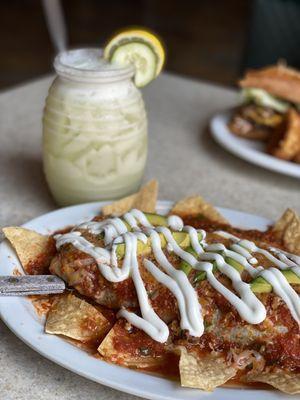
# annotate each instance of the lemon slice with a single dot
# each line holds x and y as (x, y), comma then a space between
(138, 47)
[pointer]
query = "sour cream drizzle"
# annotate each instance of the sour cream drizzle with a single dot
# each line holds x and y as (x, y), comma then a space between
(273, 275)
(134, 226)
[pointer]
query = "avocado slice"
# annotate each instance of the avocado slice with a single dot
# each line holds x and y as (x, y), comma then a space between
(260, 285)
(127, 225)
(181, 238)
(291, 277)
(185, 266)
(201, 275)
(156, 219)
(235, 264)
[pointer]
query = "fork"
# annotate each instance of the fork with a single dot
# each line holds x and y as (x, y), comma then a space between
(25, 285)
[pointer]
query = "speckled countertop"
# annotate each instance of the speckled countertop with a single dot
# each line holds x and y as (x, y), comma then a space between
(182, 156)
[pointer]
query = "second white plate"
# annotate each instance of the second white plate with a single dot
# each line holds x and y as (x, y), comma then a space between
(250, 150)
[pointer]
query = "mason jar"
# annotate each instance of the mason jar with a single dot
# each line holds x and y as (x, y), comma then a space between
(94, 129)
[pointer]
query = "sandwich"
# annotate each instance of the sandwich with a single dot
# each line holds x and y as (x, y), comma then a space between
(269, 110)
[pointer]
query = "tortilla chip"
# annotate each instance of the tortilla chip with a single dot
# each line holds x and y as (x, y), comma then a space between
(33, 249)
(43, 303)
(76, 319)
(287, 228)
(195, 206)
(147, 197)
(106, 348)
(137, 349)
(204, 373)
(286, 382)
(144, 200)
(119, 207)
(283, 222)
(291, 236)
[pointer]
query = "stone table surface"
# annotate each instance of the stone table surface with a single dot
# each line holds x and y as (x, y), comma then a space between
(183, 157)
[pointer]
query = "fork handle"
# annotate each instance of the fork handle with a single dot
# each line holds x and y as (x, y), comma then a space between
(25, 285)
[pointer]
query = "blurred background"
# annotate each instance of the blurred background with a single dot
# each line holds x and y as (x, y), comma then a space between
(211, 40)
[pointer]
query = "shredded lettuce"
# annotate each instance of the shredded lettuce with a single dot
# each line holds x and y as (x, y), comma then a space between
(263, 98)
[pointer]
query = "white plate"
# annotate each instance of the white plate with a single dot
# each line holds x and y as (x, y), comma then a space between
(250, 150)
(19, 315)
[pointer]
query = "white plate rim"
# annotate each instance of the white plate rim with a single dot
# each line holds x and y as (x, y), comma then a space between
(238, 147)
(29, 328)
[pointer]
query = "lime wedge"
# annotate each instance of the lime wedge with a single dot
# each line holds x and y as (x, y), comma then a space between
(140, 48)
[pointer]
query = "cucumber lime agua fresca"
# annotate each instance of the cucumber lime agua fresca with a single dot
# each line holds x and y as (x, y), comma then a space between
(94, 129)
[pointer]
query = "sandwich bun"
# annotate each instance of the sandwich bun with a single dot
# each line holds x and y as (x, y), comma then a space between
(278, 80)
